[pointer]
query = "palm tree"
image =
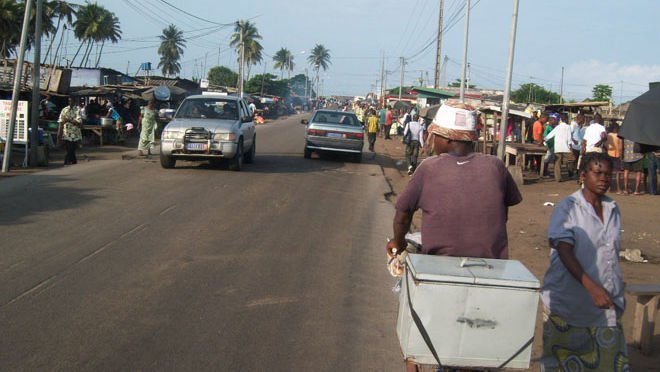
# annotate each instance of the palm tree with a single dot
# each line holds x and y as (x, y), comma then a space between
(283, 59)
(171, 50)
(11, 19)
(61, 10)
(94, 24)
(252, 48)
(319, 59)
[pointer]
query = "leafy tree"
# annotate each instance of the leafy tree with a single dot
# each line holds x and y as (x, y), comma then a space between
(319, 58)
(271, 86)
(171, 50)
(252, 48)
(222, 76)
(297, 85)
(531, 92)
(602, 92)
(283, 59)
(457, 84)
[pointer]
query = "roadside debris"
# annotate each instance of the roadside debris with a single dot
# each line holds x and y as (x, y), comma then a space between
(548, 204)
(633, 255)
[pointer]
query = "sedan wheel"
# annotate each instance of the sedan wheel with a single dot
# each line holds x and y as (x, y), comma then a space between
(308, 153)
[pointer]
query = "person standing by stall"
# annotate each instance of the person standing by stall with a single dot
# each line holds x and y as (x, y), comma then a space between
(583, 291)
(69, 131)
(147, 120)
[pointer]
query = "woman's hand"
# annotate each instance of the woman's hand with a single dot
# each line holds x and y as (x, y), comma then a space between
(599, 296)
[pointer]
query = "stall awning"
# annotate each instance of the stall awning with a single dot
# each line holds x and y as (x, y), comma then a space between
(432, 93)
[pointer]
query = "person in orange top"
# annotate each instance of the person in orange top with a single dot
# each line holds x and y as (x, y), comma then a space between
(537, 129)
(615, 151)
(537, 137)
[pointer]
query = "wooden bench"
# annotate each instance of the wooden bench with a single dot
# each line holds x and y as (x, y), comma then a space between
(646, 307)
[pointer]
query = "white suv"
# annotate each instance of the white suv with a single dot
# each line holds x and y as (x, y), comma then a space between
(210, 127)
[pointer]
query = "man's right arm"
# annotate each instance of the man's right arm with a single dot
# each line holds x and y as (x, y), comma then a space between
(401, 226)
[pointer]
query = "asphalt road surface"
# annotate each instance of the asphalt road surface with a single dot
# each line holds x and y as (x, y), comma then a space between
(123, 265)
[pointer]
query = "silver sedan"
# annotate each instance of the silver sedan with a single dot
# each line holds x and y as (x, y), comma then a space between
(334, 131)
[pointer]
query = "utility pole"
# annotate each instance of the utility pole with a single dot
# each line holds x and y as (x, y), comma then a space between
(403, 63)
(507, 87)
(443, 80)
(240, 67)
(465, 48)
(305, 84)
(561, 87)
(382, 80)
(36, 77)
(436, 83)
(18, 72)
(263, 77)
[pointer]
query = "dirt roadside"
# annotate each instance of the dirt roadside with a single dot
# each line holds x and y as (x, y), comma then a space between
(527, 228)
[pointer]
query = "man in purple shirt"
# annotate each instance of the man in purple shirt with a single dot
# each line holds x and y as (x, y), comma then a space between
(464, 197)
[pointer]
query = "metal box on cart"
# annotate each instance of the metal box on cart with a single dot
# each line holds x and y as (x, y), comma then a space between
(477, 312)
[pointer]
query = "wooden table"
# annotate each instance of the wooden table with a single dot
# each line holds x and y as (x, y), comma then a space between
(97, 130)
(646, 308)
(521, 151)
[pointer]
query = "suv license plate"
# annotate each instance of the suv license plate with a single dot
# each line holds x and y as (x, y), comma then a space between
(196, 146)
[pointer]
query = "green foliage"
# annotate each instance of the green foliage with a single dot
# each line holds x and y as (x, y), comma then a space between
(94, 24)
(222, 76)
(253, 49)
(283, 60)
(531, 92)
(457, 84)
(297, 85)
(271, 86)
(602, 92)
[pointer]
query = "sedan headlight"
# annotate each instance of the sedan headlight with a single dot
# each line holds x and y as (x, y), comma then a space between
(224, 137)
(170, 134)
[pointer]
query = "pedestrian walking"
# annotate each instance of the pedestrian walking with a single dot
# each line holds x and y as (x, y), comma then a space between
(553, 120)
(633, 161)
(583, 291)
(389, 120)
(69, 131)
(148, 116)
(615, 152)
(372, 129)
(414, 131)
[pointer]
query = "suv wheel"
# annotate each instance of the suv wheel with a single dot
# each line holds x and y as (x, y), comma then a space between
(236, 163)
(167, 162)
(249, 157)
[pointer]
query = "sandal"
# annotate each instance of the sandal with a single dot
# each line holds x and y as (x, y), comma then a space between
(636, 193)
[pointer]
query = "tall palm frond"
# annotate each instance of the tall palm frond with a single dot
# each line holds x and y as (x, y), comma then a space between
(171, 50)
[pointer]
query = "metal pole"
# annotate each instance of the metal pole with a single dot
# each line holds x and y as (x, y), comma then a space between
(18, 72)
(36, 77)
(242, 57)
(403, 62)
(465, 48)
(436, 83)
(561, 87)
(507, 87)
(382, 79)
(306, 85)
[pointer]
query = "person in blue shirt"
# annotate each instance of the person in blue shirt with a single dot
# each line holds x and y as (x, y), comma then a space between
(583, 291)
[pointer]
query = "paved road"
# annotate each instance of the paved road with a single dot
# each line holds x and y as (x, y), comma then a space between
(122, 265)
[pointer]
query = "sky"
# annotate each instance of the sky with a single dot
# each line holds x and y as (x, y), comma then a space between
(611, 42)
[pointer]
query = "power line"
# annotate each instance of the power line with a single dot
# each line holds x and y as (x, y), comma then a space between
(194, 16)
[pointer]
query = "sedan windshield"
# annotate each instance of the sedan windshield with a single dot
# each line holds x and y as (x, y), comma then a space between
(208, 108)
(336, 118)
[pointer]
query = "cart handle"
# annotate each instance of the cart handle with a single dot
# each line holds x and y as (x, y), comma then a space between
(475, 262)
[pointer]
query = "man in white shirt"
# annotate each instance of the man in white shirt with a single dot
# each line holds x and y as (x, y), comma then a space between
(595, 136)
(577, 131)
(252, 107)
(562, 147)
(416, 142)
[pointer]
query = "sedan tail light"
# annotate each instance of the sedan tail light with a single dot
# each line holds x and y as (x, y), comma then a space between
(316, 132)
(355, 135)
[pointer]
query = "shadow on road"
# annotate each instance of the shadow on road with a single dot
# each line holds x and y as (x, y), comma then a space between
(23, 197)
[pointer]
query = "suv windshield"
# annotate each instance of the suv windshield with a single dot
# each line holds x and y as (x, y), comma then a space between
(335, 118)
(208, 108)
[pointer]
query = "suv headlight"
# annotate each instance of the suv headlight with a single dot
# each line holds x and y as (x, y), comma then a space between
(224, 137)
(169, 134)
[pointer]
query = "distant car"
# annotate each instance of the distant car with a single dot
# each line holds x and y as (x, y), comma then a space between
(335, 131)
(210, 127)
